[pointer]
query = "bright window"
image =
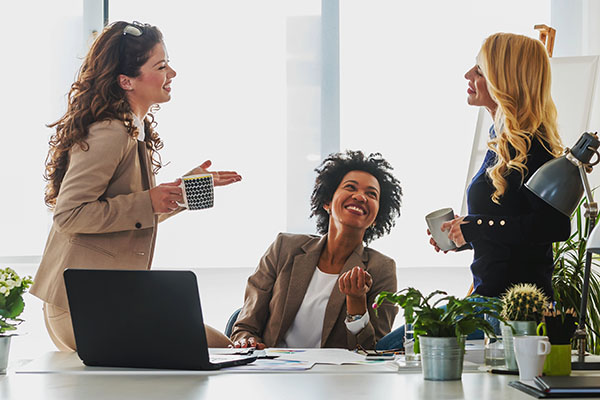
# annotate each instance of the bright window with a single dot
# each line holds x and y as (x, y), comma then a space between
(403, 94)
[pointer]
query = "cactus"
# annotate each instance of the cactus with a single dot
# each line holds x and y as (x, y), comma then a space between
(523, 302)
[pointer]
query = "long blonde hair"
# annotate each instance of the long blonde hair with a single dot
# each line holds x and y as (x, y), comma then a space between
(517, 70)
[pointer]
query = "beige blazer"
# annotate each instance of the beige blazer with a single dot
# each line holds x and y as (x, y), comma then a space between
(275, 292)
(103, 217)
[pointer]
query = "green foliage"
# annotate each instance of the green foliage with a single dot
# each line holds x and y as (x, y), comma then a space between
(12, 288)
(567, 279)
(459, 316)
(523, 302)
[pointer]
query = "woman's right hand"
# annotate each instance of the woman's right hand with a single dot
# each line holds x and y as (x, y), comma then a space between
(165, 197)
(249, 342)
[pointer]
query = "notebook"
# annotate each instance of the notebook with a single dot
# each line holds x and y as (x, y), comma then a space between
(141, 319)
(569, 384)
(560, 386)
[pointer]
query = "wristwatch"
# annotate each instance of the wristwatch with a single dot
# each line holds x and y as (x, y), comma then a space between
(352, 318)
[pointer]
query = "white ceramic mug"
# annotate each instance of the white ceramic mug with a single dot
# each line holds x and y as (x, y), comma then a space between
(434, 221)
(531, 352)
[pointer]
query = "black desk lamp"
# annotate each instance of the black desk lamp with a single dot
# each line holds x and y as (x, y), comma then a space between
(560, 183)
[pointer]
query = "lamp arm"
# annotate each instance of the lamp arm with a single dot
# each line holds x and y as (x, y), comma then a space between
(586, 185)
(591, 213)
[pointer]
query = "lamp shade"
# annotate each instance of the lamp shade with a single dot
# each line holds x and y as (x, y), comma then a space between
(558, 183)
(593, 243)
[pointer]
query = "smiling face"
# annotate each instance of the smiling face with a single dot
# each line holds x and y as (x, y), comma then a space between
(153, 84)
(355, 203)
(477, 91)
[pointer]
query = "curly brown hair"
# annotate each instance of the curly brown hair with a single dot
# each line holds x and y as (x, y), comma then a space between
(97, 96)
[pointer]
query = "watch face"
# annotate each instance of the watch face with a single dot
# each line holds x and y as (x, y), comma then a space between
(352, 318)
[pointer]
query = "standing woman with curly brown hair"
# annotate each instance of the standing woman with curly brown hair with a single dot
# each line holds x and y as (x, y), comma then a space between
(509, 228)
(100, 169)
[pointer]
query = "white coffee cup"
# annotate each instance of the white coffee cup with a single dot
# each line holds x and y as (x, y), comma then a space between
(434, 221)
(531, 352)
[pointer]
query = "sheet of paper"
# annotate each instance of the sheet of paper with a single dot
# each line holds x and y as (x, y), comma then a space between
(275, 364)
(318, 356)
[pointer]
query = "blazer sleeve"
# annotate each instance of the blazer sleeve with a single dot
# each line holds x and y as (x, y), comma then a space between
(384, 279)
(259, 290)
(542, 225)
(81, 206)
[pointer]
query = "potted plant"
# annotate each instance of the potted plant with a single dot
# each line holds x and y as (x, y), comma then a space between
(12, 288)
(441, 323)
(522, 309)
(567, 278)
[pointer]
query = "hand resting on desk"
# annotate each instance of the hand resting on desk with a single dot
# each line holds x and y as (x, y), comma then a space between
(249, 342)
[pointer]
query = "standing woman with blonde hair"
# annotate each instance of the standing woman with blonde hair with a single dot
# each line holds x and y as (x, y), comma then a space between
(100, 169)
(509, 228)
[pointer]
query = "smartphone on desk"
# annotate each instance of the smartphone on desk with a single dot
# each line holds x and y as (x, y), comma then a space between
(380, 356)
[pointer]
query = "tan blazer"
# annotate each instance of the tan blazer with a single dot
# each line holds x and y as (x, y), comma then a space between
(103, 217)
(276, 289)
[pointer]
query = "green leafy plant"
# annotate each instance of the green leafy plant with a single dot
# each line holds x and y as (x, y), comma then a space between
(444, 316)
(567, 279)
(523, 302)
(12, 288)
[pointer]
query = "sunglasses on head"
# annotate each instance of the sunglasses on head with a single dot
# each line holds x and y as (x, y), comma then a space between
(134, 29)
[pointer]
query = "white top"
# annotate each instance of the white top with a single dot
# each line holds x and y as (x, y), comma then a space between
(140, 126)
(307, 328)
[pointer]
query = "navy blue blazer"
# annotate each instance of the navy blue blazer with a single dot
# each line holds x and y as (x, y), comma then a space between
(512, 241)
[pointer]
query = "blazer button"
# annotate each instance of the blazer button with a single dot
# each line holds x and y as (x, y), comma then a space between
(479, 222)
(138, 225)
(491, 223)
(140, 253)
(502, 222)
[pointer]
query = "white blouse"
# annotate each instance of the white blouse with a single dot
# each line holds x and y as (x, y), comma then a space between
(307, 327)
(140, 126)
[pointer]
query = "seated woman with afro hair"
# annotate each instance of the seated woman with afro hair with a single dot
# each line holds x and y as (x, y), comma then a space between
(314, 291)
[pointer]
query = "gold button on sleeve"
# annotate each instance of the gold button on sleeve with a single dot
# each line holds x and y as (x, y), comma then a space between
(479, 222)
(502, 222)
(491, 222)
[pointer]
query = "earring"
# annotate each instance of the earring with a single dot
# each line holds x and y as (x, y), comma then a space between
(329, 211)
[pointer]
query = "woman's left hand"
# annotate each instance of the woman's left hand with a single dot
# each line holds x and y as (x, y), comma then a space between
(355, 283)
(220, 178)
(454, 231)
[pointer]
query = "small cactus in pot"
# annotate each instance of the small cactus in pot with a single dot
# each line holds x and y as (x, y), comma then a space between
(523, 302)
(522, 307)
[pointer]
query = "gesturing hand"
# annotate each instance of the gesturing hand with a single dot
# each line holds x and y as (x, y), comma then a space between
(220, 178)
(165, 197)
(355, 283)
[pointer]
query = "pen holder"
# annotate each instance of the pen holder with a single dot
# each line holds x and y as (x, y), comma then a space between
(558, 362)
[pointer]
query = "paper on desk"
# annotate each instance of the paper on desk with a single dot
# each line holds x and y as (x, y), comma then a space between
(318, 356)
(276, 364)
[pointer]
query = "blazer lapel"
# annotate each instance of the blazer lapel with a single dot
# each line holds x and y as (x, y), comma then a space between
(303, 269)
(338, 299)
(146, 165)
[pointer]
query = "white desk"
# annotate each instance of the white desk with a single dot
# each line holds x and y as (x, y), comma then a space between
(321, 382)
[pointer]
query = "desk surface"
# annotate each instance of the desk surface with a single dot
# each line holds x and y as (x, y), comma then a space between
(323, 382)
